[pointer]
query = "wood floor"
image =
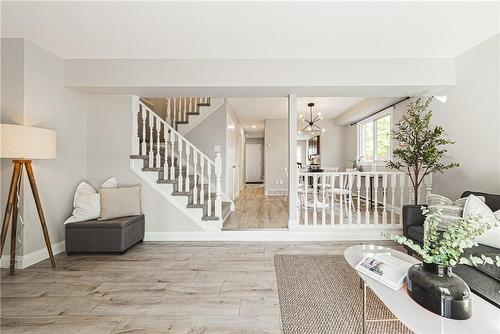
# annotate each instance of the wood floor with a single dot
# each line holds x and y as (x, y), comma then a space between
(156, 287)
(254, 210)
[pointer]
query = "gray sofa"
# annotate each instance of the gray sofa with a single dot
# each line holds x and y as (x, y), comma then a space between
(482, 280)
(104, 236)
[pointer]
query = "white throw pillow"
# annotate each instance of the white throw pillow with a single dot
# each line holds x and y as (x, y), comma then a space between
(87, 201)
(451, 211)
(474, 207)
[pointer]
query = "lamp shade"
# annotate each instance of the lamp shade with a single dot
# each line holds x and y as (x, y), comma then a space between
(27, 142)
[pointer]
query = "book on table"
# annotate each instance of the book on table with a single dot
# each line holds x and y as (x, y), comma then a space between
(385, 268)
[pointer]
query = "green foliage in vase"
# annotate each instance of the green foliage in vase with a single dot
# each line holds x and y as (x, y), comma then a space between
(421, 147)
(446, 247)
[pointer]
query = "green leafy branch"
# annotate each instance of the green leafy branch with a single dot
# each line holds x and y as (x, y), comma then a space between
(446, 248)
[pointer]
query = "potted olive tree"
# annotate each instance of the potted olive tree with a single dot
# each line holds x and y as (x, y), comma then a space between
(421, 146)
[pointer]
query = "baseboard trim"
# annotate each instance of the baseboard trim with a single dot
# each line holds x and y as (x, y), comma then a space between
(353, 233)
(32, 258)
(276, 192)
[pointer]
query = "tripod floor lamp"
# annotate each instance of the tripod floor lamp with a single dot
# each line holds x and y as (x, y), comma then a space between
(24, 144)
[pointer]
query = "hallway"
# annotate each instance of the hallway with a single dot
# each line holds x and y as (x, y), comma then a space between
(254, 210)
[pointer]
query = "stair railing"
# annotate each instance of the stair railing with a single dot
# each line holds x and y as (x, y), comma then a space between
(179, 108)
(146, 123)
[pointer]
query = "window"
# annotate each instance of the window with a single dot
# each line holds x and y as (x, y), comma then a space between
(374, 138)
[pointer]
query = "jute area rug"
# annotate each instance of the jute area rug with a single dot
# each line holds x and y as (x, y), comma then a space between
(321, 294)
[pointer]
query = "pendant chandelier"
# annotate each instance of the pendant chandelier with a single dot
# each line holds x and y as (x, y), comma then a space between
(312, 125)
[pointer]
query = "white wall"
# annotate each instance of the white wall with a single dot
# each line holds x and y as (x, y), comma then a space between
(12, 112)
(109, 123)
(471, 117)
(276, 155)
(211, 132)
(332, 145)
(47, 104)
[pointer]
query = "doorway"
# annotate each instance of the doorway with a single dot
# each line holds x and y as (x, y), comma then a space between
(254, 163)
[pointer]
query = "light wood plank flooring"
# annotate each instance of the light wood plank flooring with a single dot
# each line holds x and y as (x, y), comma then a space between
(254, 210)
(156, 287)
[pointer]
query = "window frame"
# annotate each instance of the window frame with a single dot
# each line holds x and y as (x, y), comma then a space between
(373, 119)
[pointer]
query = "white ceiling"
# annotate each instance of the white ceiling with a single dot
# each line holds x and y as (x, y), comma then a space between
(253, 111)
(297, 29)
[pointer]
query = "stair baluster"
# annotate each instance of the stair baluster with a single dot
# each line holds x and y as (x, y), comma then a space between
(188, 152)
(202, 174)
(158, 143)
(143, 146)
(195, 185)
(169, 110)
(186, 108)
(218, 189)
(165, 162)
(151, 124)
(193, 105)
(209, 199)
(172, 153)
(179, 160)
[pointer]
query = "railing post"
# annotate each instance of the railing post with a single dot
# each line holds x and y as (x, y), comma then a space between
(218, 198)
(188, 153)
(202, 183)
(384, 198)
(358, 187)
(158, 142)
(209, 188)
(393, 196)
(349, 204)
(135, 126)
(172, 155)
(169, 110)
(195, 180)
(179, 160)
(151, 154)
(143, 145)
(165, 162)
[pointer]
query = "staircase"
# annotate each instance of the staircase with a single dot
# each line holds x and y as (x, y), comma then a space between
(174, 167)
(183, 113)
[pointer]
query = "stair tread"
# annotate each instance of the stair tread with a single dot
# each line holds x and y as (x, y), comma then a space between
(226, 208)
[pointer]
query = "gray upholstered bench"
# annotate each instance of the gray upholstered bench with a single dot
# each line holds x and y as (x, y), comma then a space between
(106, 236)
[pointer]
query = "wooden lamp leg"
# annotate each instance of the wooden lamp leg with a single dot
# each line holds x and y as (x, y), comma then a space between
(13, 229)
(34, 190)
(10, 202)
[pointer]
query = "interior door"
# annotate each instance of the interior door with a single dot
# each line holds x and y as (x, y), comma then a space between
(253, 163)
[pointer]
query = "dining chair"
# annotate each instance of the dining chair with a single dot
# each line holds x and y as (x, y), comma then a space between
(344, 191)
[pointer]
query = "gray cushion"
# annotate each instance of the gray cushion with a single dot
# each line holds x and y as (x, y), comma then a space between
(416, 233)
(489, 269)
(110, 223)
(481, 284)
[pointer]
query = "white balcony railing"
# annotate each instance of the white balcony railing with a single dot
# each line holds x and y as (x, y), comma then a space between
(355, 198)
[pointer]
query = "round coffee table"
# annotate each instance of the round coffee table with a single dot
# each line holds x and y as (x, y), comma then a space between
(485, 316)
